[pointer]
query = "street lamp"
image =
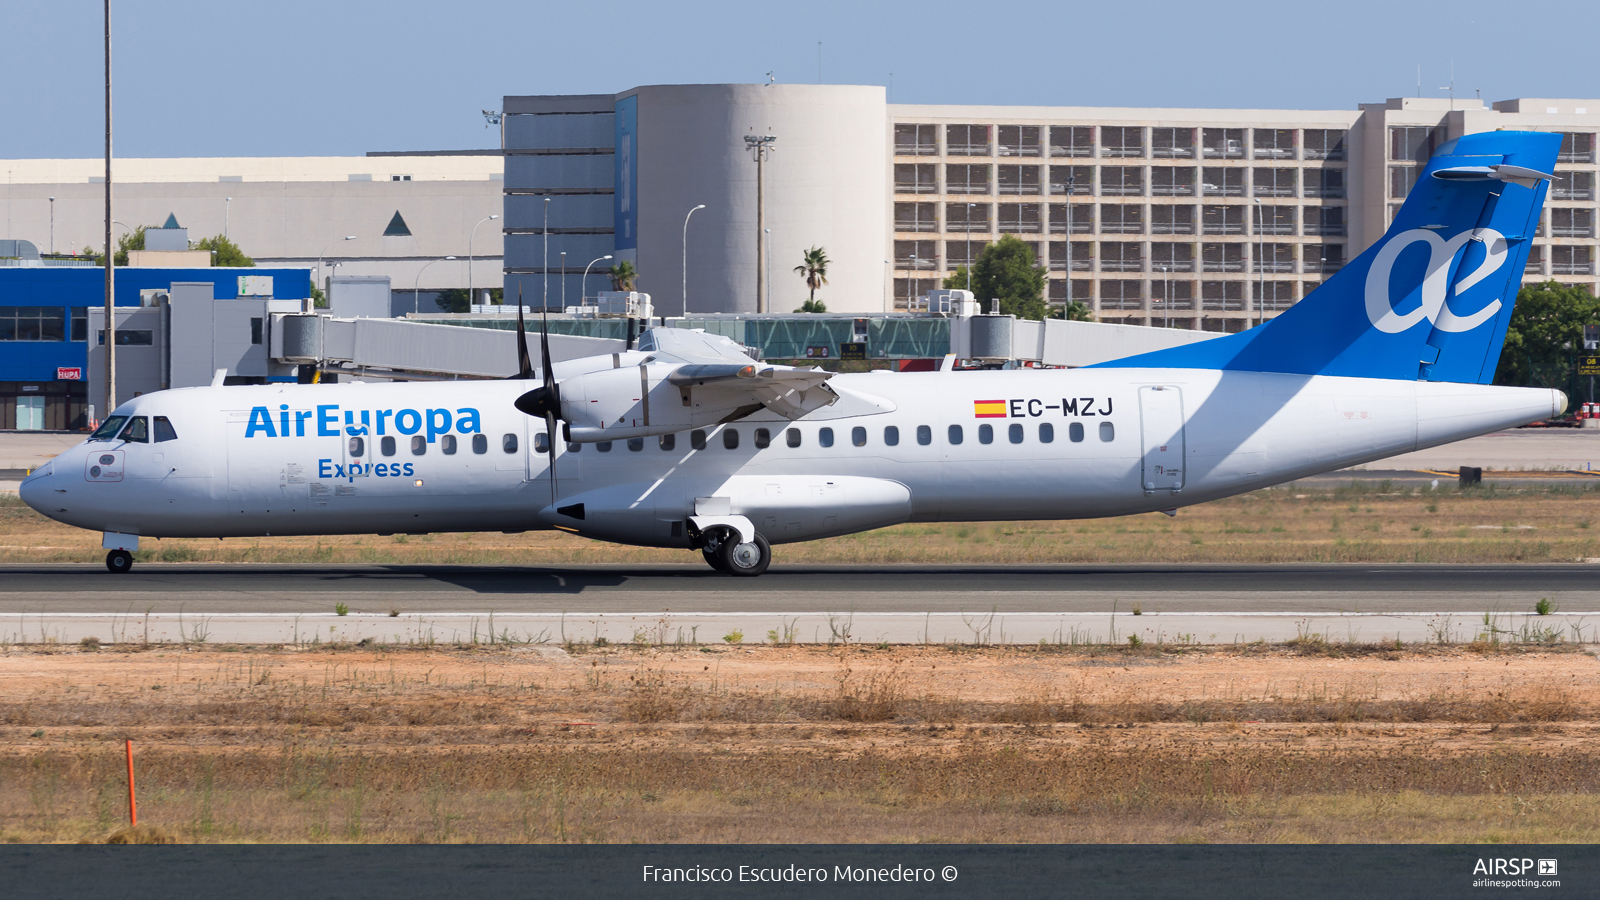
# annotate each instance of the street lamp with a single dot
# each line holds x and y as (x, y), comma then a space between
(970, 207)
(415, 306)
(686, 256)
(767, 232)
(1166, 298)
(227, 211)
(52, 226)
(563, 281)
(760, 146)
(1261, 264)
(469, 257)
(348, 237)
(583, 285)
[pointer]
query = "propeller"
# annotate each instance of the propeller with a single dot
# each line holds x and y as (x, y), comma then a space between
(543, 401)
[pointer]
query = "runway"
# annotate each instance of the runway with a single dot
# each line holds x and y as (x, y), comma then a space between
(900, 604)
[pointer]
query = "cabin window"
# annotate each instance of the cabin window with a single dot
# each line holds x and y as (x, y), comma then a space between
(986, 433)
(480, 444)
(1108, 432)
(164, 430)
(924, 435)
(763, 439)
(891, 436)
(508, 443)
(358, 447)
(1075, 432)
(792, 436)
(447, 444)
(137, 430)
(730, 438)
(386, 446)
(573, 448)
(825, 437)
(109, 428)
(669, 442)
(419, 445)
(603, 446)
(635, 444)
(955, 434)
(541, 443)
(1047, 432)
(1015, 432)
(697, 439)
(858, 436)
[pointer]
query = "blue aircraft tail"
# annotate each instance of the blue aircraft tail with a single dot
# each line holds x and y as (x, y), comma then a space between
(1431, 300)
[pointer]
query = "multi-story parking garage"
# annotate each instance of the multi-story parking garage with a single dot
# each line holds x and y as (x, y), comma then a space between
(1184, 217)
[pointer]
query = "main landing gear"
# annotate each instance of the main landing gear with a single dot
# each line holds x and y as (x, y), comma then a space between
(724, 553)
(119, 562)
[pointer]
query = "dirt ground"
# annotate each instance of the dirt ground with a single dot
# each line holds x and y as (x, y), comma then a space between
(1306, 742)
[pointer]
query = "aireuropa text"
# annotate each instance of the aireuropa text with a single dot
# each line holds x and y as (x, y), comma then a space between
(760, 874)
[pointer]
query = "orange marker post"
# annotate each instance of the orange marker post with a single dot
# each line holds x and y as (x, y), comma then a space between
(133, 808)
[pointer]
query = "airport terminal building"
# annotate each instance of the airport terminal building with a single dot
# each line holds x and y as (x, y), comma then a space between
(1192, 218)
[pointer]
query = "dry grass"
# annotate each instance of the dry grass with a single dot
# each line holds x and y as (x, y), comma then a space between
(799, 744)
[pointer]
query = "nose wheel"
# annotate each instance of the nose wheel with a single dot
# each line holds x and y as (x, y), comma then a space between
(119, 562)
(724, 553)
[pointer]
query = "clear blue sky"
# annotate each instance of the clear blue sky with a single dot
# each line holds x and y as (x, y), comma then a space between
(335, 77)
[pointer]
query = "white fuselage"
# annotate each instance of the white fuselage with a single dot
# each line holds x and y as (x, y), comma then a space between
(1122, 441)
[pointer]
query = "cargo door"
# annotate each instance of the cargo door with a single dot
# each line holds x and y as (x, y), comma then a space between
(1161, 430)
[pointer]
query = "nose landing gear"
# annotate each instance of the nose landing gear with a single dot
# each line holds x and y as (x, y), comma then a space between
(119, 562)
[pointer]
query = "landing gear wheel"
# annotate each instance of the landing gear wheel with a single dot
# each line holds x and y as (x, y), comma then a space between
(713, 559)
(746, 560)
(119, 562)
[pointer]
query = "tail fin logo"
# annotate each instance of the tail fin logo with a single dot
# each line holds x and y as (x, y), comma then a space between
(1434, 308)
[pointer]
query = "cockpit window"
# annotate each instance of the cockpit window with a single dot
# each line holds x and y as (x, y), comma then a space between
(164, 430)
(108, 428)
(137, 430)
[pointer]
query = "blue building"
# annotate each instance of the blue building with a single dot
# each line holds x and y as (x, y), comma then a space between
(44, 330)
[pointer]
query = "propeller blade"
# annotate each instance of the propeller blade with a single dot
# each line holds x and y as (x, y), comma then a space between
(524, 365)
(550, 443)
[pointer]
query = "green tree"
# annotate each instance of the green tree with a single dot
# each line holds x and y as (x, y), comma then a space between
(814, 269)
(224, 252)
(624, 276)
(1077, 312)
(1545, 336)
(813, 306)
(454, 300)
(1006, 271)
(133, 240)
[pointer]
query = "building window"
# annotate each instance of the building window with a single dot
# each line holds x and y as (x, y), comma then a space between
(1279, 295)
(1071, 140)
(1222, 219)
(967, 218)
(1222, 257)
(1572, 260)
(1121, 218)
(1014, 179)
(908, 289)
(1172, 143)
(1322, 259)
(126, 337)
(1222, 296)
(80, 322)
(1076, 181)
(1172, 220)
(1170, 296)
(1121, 256)
(1019, 140)
(966, 140)
(916, 178)
(1573, 186)
(1171, 181)
(1074, 218)
(1401, 179)
(1274, 182)
(1274, 258)
(1121, 294)
(37, 323)
(1219, 181)
(915, 217)
(1535, 264)
(1576, 147)
(916, 254)
(962, 253)
(1076, 257)
(1071, 290)
(1414, 143)
(1272, 143)
(1172, 257)
(1275, 219)
(966, 179)
(1121, 141)
(1327, 221)
(1222, 143)
(1327, 183)
(255, 330)
(1019, 218)
(1122, 181)
(916, 140)
(1324, 143)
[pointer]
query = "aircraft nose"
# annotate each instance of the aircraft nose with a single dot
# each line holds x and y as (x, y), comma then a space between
(1559, 400)
(36, 486)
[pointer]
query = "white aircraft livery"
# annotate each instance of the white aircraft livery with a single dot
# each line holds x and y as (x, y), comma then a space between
(686, 441)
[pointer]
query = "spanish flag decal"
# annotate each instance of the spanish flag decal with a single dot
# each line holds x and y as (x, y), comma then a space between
(989, 409)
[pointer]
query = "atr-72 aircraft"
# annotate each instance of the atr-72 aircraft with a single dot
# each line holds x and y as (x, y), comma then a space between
(688, 442)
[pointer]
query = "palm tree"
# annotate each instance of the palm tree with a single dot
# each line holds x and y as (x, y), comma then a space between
(623, 276)
(814, 269)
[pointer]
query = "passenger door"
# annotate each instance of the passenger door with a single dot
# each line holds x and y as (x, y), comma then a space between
(1161, 431)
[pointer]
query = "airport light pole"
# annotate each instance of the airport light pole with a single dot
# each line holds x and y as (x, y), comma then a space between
(1261, 266)
(767, 233)
(111, 272)
(470, 238)
(544, 302)
(52, 226)
(583, 285)
(416, 307)
(686, 256)
(1166, 298)
(348, 237)
(563, 281)
(761, 146)
(227, 214)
